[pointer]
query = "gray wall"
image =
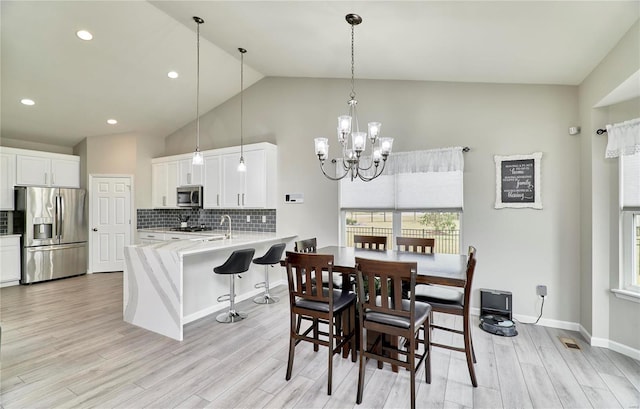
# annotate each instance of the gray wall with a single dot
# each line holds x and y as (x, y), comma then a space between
(607, 319)
(517, 248)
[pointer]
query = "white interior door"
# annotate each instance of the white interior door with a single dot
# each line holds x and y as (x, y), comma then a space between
(110, 222)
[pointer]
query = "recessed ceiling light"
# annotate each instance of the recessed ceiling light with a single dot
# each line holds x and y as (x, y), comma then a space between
(112, 121)
(84, 35)
(172, 74)
(27, 101)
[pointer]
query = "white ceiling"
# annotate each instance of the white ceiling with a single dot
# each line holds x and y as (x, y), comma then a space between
(121, 73)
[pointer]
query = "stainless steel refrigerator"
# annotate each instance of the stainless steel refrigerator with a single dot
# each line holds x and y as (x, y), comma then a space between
(53, 224)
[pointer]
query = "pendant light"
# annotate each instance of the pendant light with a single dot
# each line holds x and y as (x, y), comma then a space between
(197, 155)
(242, 167)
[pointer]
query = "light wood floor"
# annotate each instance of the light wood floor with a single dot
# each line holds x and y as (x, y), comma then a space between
(64, 344)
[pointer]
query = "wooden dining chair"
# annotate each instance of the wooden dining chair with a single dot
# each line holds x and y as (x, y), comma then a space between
(450, 300)
(416, 244)
(370, 242)
(326, 306)
(306, 246)
(389, 316)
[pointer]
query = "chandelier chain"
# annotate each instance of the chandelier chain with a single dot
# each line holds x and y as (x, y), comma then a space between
(353, 87)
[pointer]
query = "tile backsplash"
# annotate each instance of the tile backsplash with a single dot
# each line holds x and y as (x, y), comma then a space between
(4, 217)
(168, 218)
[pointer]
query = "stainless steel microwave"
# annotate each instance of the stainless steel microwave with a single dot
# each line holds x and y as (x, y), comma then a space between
(189, 196)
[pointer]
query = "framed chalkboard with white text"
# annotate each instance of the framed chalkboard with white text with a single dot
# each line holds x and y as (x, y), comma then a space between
(518, 181)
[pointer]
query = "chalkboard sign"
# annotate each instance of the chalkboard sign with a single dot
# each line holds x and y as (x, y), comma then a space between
(518, 181)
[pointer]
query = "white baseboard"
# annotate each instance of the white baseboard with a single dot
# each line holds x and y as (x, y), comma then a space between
(574, 326)
(612, 345)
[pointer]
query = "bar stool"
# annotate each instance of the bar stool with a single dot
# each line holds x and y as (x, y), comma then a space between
(271, 257)
(238, 262)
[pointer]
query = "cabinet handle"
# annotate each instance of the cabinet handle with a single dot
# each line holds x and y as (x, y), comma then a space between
(243, 199)
(218, 199)
(238, 199)
(164, 200)
(188, 178)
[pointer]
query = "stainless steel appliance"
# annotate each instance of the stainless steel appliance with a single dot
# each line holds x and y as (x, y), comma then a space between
(189, 196)
(53, 224)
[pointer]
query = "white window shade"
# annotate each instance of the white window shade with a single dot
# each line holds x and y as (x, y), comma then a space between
(430, 179)
(630, 182)
(431, 190)
(376, 194)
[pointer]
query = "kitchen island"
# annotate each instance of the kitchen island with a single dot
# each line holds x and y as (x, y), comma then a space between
(171, 283)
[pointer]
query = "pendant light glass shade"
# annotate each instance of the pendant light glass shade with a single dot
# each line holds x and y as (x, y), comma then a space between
(197, 155)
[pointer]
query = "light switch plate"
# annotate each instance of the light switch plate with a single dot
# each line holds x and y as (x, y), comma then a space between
(248, 219)
(294, 198)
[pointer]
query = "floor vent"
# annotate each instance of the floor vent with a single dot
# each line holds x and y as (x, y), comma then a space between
(569, 343)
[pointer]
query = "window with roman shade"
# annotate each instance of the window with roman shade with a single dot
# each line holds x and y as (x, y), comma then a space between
(431, 179)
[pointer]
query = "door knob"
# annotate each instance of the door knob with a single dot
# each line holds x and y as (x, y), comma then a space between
(95, 229)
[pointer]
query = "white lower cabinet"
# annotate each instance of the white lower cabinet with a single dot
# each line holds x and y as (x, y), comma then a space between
(10, 256)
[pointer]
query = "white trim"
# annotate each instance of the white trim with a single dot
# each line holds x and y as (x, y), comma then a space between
(626, 295)
(574, 326)
(612, 345)
(133, 222)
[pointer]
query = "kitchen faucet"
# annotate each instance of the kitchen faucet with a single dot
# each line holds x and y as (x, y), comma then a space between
(228, 234)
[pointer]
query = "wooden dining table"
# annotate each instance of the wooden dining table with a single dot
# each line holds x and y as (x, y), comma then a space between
(433, 268)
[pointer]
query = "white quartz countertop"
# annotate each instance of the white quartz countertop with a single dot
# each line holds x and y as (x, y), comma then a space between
(210, 242)
(9, 235)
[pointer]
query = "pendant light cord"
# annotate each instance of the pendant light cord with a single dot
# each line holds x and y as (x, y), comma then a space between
(198, 89)
(242, 51)
(353, 86)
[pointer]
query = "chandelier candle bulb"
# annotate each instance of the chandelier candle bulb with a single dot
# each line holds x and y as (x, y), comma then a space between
(374, 130)
(322, 147)
(385, 145)
(359, 141)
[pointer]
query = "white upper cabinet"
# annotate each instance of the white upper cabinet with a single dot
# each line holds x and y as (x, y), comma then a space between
(212, 182)
(7, 180)
(189, 174)
(35, 168)
(223, 185)
(164, 181)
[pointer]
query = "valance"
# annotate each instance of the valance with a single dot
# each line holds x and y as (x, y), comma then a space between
(624, 138)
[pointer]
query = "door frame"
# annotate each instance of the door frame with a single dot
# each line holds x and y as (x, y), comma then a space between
(132, 222)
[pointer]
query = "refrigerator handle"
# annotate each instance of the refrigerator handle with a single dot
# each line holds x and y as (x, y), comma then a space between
(57, 218)
(60, 213)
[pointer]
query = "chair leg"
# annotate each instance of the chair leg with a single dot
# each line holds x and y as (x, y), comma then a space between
(292, 346)
(331, 349)
(427, 350)
(412, 368)
(232, 315)
(316, 347)
(352, 330)
(467, 348)
(265, 298)
(363, 361)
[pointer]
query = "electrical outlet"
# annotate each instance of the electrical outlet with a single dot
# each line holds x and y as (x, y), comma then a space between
(541, 290)
(248, 219)
(264, 219)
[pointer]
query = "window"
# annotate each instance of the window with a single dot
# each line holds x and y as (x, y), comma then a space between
(630, 223)
(443, 226)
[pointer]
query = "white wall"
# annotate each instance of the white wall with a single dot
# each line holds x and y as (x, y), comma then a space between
(607, 320)
(517, 248)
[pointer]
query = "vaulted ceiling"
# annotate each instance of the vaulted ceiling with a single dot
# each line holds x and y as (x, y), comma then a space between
(122, 73)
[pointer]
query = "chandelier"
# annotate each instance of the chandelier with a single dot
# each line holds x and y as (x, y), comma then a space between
(353, 141)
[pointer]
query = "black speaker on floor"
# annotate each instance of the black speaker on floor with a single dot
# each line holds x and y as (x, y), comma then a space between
(495, 312)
